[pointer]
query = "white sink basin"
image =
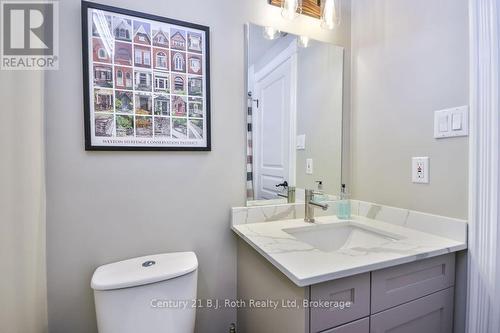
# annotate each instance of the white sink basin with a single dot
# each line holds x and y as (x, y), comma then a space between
(338, 236)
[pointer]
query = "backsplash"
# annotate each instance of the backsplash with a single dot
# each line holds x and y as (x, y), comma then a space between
(257, 214)
(448, 227)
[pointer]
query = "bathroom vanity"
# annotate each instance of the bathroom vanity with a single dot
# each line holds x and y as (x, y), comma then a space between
(384, 270)
(357, 276)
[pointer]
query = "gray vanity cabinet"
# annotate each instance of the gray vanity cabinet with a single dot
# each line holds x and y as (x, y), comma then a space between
(410, 298)
(358, 326)
(400, 284)
(429, 314)
(353, 289)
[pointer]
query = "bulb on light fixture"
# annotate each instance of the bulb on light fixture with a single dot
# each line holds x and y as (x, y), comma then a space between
(330, 14)
(303, 41)
(290, 9)
(271, 33)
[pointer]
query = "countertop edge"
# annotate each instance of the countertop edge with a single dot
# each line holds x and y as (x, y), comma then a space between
(305, 282)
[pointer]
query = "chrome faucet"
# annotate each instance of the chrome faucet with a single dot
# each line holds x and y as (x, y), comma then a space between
(290, 195)
(310, 204)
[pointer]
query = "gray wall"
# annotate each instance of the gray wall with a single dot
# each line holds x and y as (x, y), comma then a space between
(23, 306)
(410, 58)
(108, 206)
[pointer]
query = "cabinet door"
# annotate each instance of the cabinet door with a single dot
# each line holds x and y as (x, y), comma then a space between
(430, 314)
(400, 284)
(359, 326)
(351, 293)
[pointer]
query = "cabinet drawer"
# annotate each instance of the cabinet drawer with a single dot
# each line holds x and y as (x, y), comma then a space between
(359, 326)
(400, 284)
(430, 314)
(355, 289)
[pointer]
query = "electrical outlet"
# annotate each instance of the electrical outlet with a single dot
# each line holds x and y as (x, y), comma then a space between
(420, 170)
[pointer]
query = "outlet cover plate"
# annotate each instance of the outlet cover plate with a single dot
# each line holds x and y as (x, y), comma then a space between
(420, 170)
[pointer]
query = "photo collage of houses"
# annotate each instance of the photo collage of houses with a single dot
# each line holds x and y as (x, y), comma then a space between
(148, 79)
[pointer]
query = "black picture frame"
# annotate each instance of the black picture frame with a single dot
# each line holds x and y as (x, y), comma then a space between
(89, 146)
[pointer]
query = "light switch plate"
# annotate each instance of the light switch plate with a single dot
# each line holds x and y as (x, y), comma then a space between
(301, 142)
(451, 122)
(420, 170)
(309, 166)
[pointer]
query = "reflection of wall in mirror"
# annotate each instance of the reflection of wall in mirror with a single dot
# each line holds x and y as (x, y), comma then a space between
(319, 115)
(319, 105)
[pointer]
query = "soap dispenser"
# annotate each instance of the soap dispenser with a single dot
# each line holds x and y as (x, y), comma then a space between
(320, 193)
(344, 204)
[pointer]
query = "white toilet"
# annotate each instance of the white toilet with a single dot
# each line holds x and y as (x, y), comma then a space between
(149, 294)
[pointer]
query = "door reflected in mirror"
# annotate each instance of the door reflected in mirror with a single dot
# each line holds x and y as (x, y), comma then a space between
(294, 130)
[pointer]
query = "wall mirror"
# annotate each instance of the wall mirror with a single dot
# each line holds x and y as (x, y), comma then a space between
(294, 123)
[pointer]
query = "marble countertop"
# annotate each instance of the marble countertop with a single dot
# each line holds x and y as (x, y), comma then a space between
(306, 265)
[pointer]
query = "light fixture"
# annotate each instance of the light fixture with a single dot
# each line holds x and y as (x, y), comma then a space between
(303, 41)
(330, 14)
(271, 33)
(290, 9)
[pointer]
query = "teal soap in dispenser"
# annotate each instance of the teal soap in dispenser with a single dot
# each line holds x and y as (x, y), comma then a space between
(344, 204)
(320, 194)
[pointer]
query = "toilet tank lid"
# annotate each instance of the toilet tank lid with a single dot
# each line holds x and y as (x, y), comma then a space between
(144, 270)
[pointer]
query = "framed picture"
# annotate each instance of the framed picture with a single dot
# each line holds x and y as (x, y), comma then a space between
(146, 81)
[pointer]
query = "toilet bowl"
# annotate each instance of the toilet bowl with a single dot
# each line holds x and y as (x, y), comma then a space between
(148, 294)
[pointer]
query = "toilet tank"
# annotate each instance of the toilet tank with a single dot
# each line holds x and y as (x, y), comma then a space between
(148, 294)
